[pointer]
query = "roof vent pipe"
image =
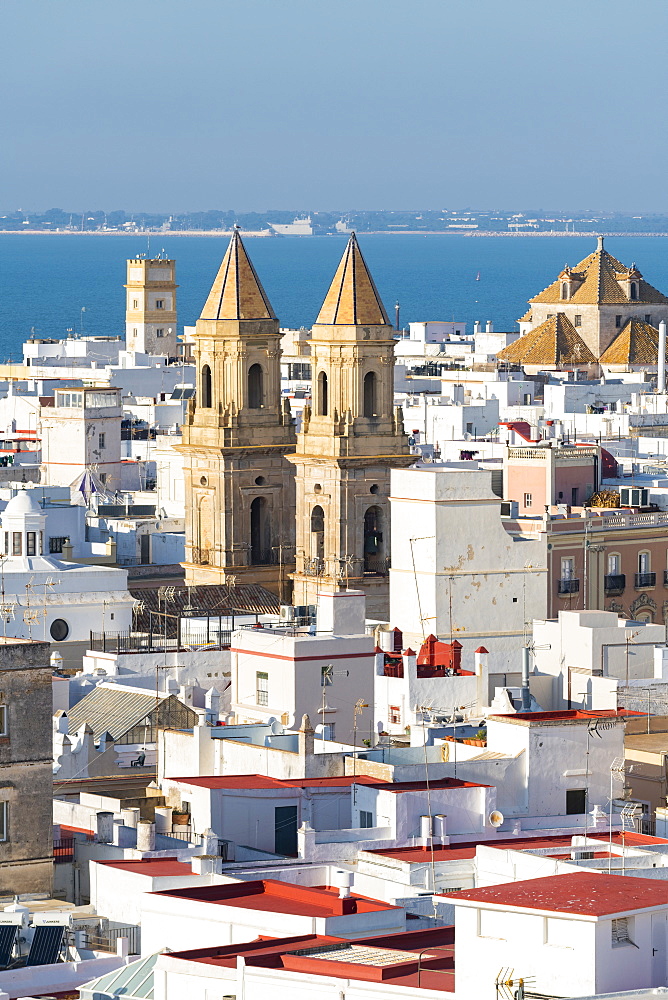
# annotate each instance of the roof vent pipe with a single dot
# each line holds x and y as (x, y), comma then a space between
(344, 881)
(661, 370)
(526, 693)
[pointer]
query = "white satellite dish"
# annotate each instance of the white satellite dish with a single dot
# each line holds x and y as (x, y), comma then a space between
(495, 818)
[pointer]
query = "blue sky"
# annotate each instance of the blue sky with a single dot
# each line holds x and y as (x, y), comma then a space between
(256, 104)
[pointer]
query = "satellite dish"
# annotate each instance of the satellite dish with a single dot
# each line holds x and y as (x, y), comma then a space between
(495, 818)
(276, 728)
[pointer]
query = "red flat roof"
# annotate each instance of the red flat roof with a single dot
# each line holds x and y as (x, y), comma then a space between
(571, 714)
(434, 947)
(259, 781)
(579, 893)
(467, 849)
(281, 897)
(155, 867)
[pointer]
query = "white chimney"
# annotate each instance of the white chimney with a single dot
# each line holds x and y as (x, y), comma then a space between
(476, 327)
(145, 835)
(489, 327)
(344, 881)
(425, 831)
(661, 369)
(441, 829)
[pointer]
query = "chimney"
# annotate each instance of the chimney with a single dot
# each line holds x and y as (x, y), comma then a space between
(206, 864)
(343, 880)
(489, 327)
(306, 738)
(441, 829)
(425, 831)
(145, 836)
(105, 827)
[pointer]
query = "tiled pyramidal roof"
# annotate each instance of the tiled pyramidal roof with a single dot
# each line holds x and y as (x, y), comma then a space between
(554, 342)
(596, 281)
(352, 299)
(236, 292)
(637, 343)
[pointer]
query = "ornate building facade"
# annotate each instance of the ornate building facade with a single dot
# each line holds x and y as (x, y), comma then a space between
(239, 485)
(351, 438)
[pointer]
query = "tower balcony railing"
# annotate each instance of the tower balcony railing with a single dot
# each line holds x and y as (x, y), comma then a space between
(314, 566)
(615, 584)
(376, 565)
(569, 586)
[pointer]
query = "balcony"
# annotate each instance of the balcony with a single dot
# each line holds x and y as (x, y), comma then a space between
(644, 580)
(571, 586)
(615, 584)
(665, 577)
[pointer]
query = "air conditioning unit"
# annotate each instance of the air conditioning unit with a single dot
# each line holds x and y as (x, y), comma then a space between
(510, 508)
(287, 613)
(633, 496)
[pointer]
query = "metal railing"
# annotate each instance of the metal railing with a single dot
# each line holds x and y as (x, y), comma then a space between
(133, 642)
(570, 586)
(615, 584)
(107, 939)
(645, 580)
(63, 850)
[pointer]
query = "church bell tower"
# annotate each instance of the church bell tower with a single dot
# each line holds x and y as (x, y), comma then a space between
(239, 485)
(351, 438)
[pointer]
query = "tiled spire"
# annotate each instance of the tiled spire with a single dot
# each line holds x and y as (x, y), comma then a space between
(237, 293)
(352, 299)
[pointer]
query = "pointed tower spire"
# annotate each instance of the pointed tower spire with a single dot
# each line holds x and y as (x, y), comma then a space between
(236, 292)
(352, 298)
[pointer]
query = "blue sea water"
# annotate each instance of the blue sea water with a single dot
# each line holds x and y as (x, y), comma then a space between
(45, 280)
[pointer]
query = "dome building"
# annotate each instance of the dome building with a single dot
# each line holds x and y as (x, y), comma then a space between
(42, 597)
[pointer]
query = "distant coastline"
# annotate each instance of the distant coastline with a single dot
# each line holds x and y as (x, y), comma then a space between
(250, 234)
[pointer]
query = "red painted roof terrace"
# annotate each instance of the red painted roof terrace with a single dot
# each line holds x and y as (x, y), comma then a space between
(154, 867)
(580, 893)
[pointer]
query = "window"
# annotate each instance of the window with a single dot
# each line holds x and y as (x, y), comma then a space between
(644, 563)
(205, 386)
(262, 689)
(620, 931)
(3, 720)
(322, 394)
(618, 321)
(326, 675)
(578, 321)
(17, 547)
(160, 332)
(56, 543)
(31, 543)
(328, 730)
(4, 821)
(576, 801)
(564, 290)
(366, 819)
(6, 543)
(395, 715)
(528, 499)
(634, 291)
(567, 569)
(59, 629)
(135, 303)
(255, 387)
(100, 440)
(134, 332)
(103, 477)
(370, 394)
(648, 318)
(469, 428)
(159, 303)
(614, 564)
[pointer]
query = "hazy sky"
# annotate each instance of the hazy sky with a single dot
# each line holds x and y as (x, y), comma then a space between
(253, 104)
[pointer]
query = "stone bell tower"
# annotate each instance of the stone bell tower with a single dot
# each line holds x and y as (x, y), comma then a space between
(239, 486)
(351, 438)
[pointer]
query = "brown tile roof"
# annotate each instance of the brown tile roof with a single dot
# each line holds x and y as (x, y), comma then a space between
(236, 292)
(599, 275)
(213, 598)
(554, 342)
(637, 343)
(352, 299)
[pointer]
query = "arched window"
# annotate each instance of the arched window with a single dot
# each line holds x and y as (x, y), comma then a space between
(260, 532)
(374, 550)
(205, 390)
(255, 387)
(370, 394)
(322, 394)
(317, 534)
(564, 290)
(634, 291)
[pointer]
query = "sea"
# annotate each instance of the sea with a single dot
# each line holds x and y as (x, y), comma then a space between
(54, 283)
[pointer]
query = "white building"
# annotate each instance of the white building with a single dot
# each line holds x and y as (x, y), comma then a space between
(287, 672)
(565, 934)
(81, 431)
(456, 571)
(44, 597)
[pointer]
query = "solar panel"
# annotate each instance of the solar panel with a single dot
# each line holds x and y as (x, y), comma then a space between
(45, 947)
(8, 934)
